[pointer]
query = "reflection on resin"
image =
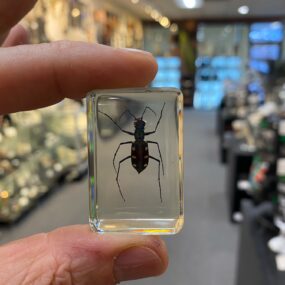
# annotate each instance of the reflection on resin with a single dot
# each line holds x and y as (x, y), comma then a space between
(136, 160)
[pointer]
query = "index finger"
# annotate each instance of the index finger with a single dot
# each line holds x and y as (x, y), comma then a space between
(40, 75)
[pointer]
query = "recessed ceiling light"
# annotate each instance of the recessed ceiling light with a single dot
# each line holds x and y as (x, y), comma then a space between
(243, 10)
(148, 9)
(164, 22)
(135, 1)
(174, 28)
(75, 12)
(155, 15)
(190, 4)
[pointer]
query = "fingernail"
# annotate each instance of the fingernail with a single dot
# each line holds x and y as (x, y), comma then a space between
(137, 51)
(136, 263)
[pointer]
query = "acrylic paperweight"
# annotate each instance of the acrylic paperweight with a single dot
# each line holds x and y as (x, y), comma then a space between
(136, 160)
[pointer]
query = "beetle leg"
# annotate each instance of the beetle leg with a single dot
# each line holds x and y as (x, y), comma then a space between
(158, 161)
(127, 111)
(157, 144)
(147, 108)
(123, 143)
(117, 178)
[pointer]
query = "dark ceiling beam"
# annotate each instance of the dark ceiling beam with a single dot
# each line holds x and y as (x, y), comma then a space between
(211, 20)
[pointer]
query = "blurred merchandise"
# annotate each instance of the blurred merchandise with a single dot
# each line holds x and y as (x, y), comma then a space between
(38, 150)
(84, 20)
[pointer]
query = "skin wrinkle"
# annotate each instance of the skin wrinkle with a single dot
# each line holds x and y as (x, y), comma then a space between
(17, 276)
(26, 273)
(36, 276)
(97, 256)
(63, 274)
(56, 80)
(57, 263)
(68, 270)
(103, 272)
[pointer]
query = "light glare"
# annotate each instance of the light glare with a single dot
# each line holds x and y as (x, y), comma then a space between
(75, 12)
(164, 22)
(190, 4)
(174, 28)
(243, 10)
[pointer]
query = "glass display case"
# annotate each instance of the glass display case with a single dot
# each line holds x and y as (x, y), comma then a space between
(37, 150)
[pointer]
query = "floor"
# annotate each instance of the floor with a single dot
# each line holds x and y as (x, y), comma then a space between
(204, 253)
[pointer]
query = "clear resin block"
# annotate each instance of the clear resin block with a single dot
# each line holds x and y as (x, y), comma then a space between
(136, 160)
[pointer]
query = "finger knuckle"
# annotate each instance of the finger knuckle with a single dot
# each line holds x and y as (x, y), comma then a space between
(61, 46)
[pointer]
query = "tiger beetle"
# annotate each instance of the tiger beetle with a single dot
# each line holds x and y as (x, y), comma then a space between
(139, 152)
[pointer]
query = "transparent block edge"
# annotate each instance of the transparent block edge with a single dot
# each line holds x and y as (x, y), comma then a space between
(95, 223)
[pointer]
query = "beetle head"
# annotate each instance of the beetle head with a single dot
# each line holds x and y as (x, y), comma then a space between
(139, 123)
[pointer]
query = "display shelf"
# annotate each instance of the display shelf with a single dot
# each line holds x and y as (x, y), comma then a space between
(44, 147)
(188, 88)
(238, 168)
(256, 263)
(225, 132)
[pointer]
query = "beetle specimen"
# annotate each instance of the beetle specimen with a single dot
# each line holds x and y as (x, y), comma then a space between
(139, 147)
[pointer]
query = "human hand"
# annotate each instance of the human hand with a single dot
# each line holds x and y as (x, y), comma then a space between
(74, 255)
(34, 76)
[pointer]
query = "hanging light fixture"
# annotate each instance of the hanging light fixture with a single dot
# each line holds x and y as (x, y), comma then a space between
(190, 4)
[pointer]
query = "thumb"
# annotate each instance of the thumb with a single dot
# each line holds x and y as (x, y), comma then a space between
(74, 255)
(17, 36)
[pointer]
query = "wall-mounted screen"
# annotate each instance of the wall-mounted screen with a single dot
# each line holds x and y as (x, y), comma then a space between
(266, 32)
(265, 52)
(260, 65)
(169, 74)
(211, 73)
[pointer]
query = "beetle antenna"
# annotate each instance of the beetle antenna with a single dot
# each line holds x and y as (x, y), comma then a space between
(160, 116)
(110, 118)
(124, 131)
(126, 111)
(147, 108)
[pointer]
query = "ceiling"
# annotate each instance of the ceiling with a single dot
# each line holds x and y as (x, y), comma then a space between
(211, 8)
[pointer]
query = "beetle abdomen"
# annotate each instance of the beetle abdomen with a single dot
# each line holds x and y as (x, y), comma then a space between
(140, 156)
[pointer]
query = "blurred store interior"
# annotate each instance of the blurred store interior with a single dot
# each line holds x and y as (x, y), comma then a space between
(228, 58)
